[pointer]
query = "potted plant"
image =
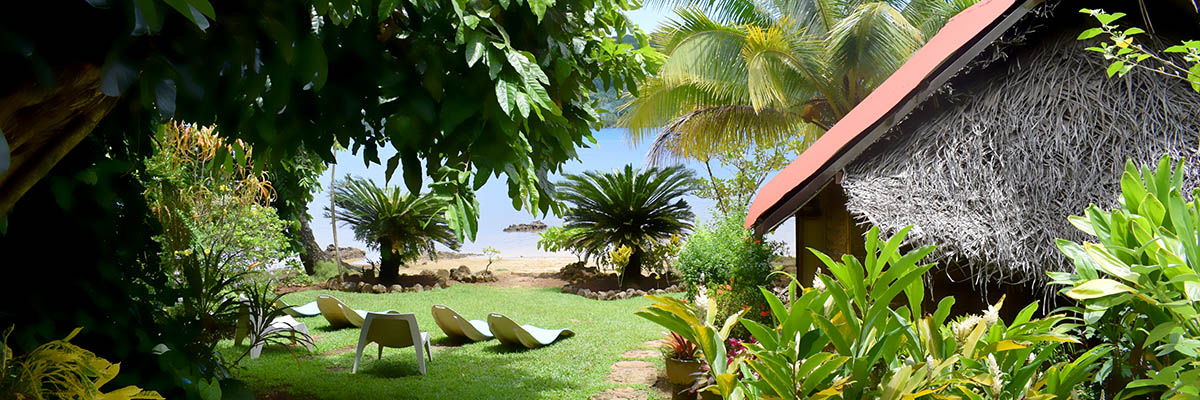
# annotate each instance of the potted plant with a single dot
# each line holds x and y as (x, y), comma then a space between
(680, 357)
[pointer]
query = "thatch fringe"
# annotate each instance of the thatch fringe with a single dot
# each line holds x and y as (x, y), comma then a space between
(990, 171)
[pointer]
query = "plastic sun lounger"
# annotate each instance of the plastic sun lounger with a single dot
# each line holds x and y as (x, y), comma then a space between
(528, 336)
(393, 329)
(307, 310)
(338, 314)
(459, 328)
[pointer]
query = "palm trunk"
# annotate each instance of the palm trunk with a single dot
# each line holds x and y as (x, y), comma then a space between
(389, 264)
(337, 250)
(633, 270)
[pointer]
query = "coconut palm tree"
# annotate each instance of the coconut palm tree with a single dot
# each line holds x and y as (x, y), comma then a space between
(402, 226)
(740, 71)
(629, 207)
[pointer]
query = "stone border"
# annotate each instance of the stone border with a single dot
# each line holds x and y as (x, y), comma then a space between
(620, 294)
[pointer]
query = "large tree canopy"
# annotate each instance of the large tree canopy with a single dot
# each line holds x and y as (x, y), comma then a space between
(463, 90)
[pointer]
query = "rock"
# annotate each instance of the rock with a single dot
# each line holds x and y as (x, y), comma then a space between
(577, 271)
(417, 288)
(349, 286)
(408, 289)
(428, 272)
(535, 226)
(397, 288)
(443, 273)
(365, 289)
(568, 289)
(639, 293)
(347, 253)
(484, 276)
(586, 292)
(461, 274)
(377, 288)
(443, 284)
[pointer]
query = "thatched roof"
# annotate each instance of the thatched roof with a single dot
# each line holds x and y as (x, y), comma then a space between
(990, 168)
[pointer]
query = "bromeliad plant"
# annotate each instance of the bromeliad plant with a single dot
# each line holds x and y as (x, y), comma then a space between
(1139, 285)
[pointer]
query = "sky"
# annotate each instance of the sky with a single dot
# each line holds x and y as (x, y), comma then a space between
(612, 150)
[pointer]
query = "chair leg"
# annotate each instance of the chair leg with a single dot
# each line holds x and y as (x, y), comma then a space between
(420, 358)
(380, 356)
(357, 357)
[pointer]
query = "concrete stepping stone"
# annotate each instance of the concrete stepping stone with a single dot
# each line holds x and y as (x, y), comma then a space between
(619, 394)
(641, 353)
(633, 373)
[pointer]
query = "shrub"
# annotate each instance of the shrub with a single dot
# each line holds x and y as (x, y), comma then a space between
(724, 251)
(858, 338)
(1139, 286)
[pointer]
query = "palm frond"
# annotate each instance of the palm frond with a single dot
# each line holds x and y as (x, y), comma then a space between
(386, 217)
(706, 132)
(628, 207)
(868, 45)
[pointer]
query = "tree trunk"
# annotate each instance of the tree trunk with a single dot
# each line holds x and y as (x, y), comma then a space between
(312, 253)
(42, 125)
(389, 264)
(633, 270)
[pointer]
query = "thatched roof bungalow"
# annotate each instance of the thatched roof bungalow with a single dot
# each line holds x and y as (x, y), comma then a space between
(986, 140)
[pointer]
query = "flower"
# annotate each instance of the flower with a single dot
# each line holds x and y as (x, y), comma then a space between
(765, 314)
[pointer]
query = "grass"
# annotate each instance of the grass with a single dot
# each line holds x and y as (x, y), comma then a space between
(574, 368)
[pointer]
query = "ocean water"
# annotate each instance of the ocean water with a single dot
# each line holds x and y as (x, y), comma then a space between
(611, 151)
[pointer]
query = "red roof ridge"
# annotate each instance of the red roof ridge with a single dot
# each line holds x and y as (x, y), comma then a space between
(802, 179)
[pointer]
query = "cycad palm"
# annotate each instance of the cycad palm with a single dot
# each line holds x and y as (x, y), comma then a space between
(740, 71)
(402, 226)
(629, 207)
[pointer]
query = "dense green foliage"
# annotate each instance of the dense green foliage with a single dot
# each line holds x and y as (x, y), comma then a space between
(865, 335)
(59, 369)
(402, 226)
(223, 211)
(467, 89)
(724, 251)
(573, 368)
(463, 90)
(1138, 285)
(747, 71)
(638, 209)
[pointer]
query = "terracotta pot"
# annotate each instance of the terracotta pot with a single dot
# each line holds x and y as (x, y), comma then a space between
(680, 372)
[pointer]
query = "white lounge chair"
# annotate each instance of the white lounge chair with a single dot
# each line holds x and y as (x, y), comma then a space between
(339, 314)
(529, 336)
(306, 310)
(459, 328)
(393, 330)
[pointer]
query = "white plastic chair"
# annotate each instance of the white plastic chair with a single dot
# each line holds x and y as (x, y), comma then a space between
(393, 330)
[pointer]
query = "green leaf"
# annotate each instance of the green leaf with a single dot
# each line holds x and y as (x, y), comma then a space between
(190, 10)
(539, 8)
(1097, 288)
(1109, 18)
(1115, 67)
(475, 47)
(164, 97)
(1090, 33)
(314, 67)
(386, 7)
(1133, 31)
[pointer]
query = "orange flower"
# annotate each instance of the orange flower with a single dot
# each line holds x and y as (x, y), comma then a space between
(765, 314)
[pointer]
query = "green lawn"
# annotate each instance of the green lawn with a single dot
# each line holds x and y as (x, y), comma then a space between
(574, 368)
